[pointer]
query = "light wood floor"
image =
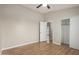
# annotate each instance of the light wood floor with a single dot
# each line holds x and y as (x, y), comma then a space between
(41, 49)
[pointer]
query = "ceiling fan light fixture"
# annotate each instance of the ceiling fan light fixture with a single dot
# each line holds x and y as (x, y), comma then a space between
(43, 5)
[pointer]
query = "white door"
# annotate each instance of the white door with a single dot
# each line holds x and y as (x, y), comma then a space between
(43, 31)
(74, 32)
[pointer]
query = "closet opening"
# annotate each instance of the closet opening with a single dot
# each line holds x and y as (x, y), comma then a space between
(65, 32)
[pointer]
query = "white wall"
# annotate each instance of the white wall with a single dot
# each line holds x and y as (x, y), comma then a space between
(74, 32)
(1, 10)
(20, 26)
(56, 17)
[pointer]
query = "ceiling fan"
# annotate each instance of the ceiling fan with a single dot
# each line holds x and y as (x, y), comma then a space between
(45, 5)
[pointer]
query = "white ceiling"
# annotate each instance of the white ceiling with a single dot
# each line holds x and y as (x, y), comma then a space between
(54, 7)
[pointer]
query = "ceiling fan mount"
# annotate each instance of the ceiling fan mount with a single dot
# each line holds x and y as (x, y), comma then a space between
(46, 5)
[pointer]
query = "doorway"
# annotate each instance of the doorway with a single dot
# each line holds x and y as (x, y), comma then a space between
(65, 31)
(45, 32)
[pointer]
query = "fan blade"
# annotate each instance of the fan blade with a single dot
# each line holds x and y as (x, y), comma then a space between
(39, 6)
(48, 6)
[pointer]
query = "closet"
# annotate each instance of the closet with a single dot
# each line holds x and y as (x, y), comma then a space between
(65, 31)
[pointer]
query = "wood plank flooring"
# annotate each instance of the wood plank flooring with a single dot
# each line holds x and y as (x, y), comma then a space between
(41, 49)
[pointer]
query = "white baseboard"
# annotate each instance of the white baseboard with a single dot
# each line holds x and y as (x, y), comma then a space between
(24, 44)
(56, 43)
(18, 45)
(74, 47)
